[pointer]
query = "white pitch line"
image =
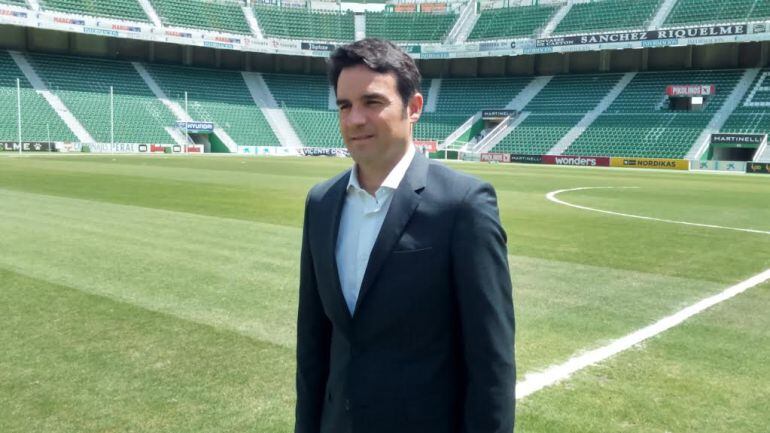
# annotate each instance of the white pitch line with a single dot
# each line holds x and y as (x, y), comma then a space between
(534, 382)
(552, 197)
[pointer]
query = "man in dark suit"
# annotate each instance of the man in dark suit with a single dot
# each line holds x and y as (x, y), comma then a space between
(405, 320)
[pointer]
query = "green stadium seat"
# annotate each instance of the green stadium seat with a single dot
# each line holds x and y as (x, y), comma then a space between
(469, 95)
(217, 96)
(437, 126)
(608, 15)
(752, 116)
(294, 23)
(14, 2)
(537, 134)
(576, 94)
(511, 22)
(687, 12)
(637, 124)
(122, 9)
(39, 122)
(306, 106)
(556, 109)
(409, 26)
(220, 15)
(83, 84)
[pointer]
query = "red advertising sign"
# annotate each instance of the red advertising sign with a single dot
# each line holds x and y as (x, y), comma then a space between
(584, 161)
(433, 7)
(495, 157)
(405, 7)
(691, 90)
(426, 145)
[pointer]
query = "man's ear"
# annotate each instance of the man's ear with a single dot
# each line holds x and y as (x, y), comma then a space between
(414, 107)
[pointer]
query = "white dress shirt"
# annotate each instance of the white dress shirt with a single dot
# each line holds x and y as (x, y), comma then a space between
(360, 223)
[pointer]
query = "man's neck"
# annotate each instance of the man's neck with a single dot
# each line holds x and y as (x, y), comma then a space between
(371, 176)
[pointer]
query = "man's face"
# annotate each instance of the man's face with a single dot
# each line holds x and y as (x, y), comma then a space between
(374, 123)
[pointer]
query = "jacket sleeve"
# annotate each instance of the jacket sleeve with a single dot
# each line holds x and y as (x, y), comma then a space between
(484, 299)
(313, 341)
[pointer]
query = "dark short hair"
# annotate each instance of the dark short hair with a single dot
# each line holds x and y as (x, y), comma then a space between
(380, 56)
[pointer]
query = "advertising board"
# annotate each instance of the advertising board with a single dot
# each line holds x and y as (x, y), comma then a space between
(659, 163)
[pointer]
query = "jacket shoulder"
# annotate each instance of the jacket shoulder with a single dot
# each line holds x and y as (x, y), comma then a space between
(454, 182)
(321, 189)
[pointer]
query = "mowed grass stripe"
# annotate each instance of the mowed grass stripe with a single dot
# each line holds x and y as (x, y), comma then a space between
(580, 280)
(234, 274)
(535, 228)
(74, 362)
(708, 375)
(274, 201)
(565, 308)
(242, 276)
(693, 208)
(178, 165)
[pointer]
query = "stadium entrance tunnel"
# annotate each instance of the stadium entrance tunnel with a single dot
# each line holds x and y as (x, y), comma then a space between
(735, 147)
(202, 139)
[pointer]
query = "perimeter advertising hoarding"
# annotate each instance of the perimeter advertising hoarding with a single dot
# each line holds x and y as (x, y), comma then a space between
(315, 46)
(581, 161)
(193, 148)
(691, 90)
(731, 166)
(738, 140)
(495, 157)
(758, 168)
(497, 114)
(28, 146)
(527, 159)
(426, 145)
(433, 7)
(195, 127)
(660, 163)
(405, 7)
(652, 35)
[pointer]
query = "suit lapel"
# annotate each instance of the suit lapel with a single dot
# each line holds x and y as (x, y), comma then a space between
(334, 201)
(404, 202)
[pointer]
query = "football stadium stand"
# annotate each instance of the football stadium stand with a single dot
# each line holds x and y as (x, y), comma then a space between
(608, 15)
(721, 11)
(14, 2)
(409, 26)
(307, 107)
(39, 121)
(520, 21)
(436, 126)
(537, 133)
(83, 85)
(461, 98)
(469, 95)
(217, 15)
(294, 23)
(639, 123)
(121, 9)
(216, 96)
(555, 110)
(753, 114)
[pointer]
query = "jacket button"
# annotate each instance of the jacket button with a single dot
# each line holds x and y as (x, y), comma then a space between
(347, 405)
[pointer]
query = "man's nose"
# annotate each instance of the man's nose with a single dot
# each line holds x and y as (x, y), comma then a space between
(355, 116)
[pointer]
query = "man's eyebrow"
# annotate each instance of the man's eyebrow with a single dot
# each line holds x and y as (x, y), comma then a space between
(374, 95)
(342, 101)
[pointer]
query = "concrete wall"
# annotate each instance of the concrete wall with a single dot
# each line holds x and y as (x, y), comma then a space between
(48, 41)
(13, 38)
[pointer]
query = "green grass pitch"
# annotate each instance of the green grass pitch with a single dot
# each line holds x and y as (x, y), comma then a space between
(158, 294)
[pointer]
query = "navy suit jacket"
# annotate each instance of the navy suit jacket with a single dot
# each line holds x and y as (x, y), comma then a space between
(429, 347)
